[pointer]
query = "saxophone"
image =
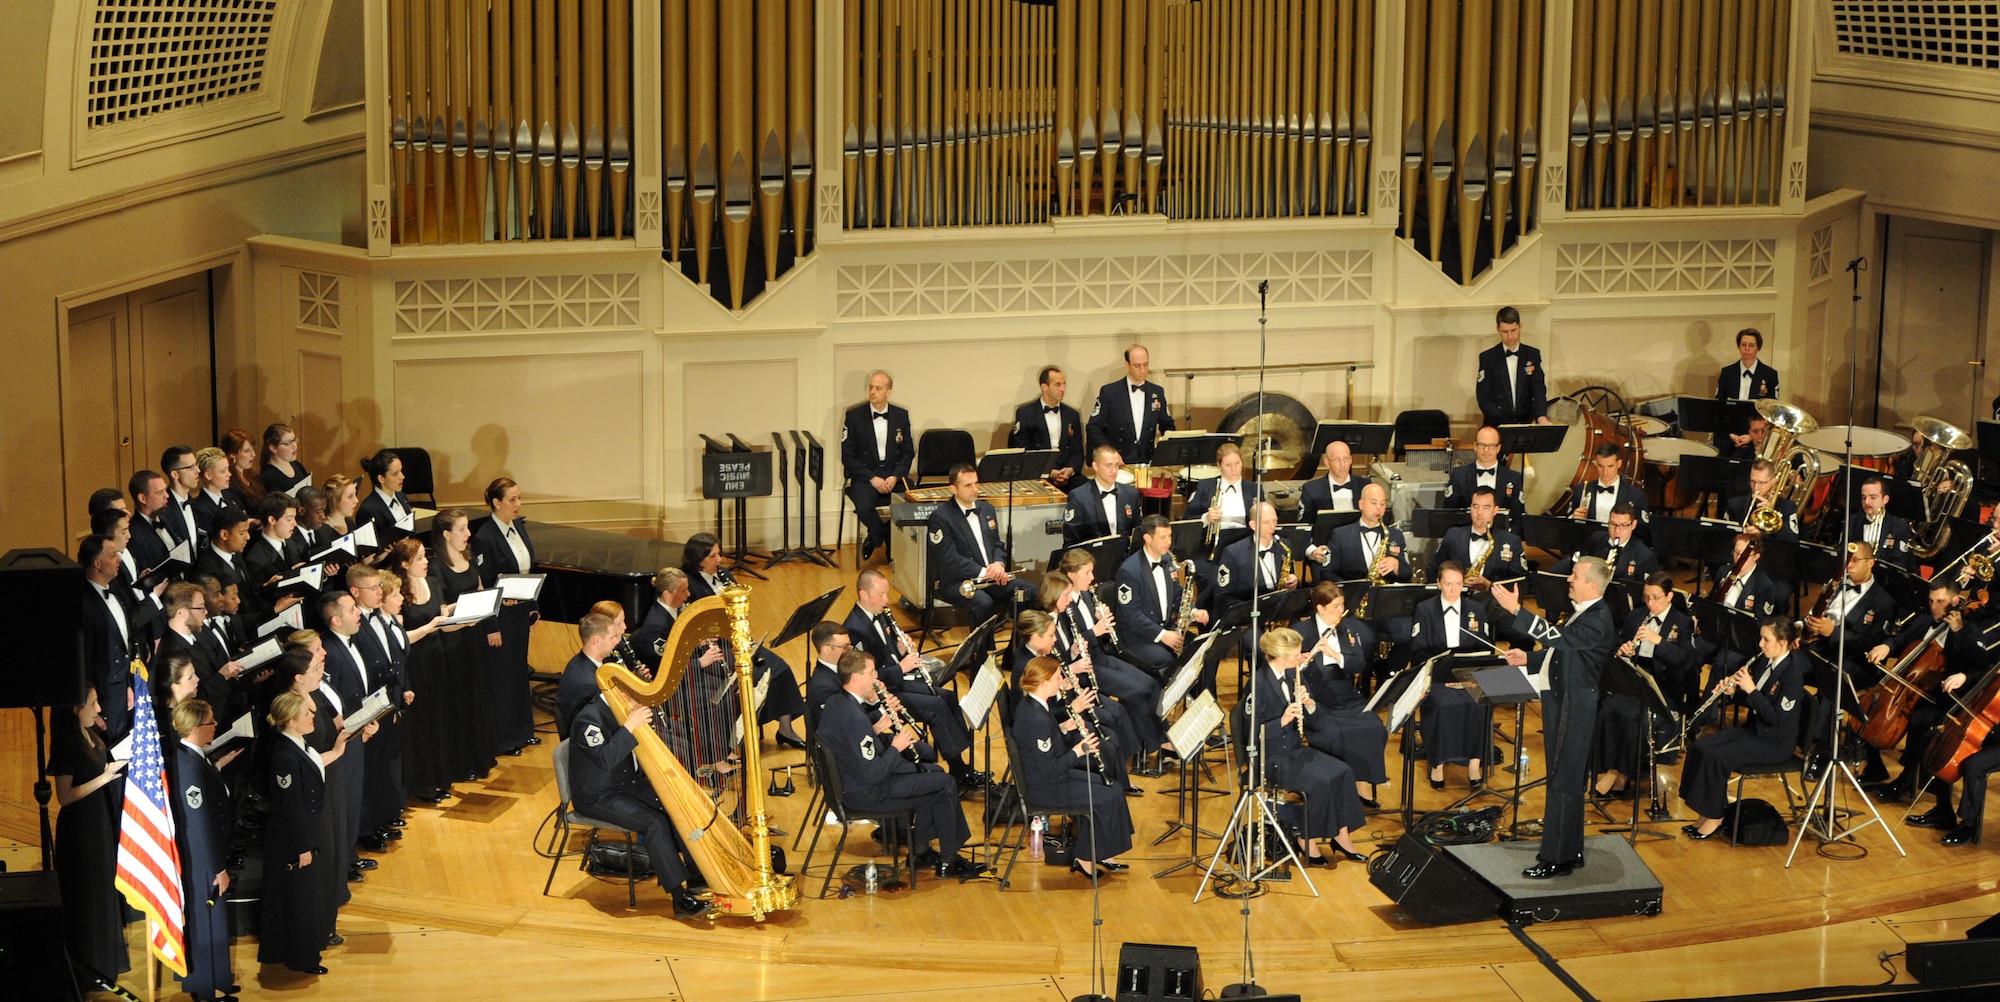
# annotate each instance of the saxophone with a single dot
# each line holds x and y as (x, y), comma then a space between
(1184, 617)
(1375, 580)
(1479, 566)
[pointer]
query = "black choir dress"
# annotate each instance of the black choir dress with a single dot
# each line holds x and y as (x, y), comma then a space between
(294, 916)
(87, 858)
(466, 709)
(425, 740)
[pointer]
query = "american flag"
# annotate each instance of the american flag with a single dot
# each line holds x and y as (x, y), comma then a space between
(149, 865)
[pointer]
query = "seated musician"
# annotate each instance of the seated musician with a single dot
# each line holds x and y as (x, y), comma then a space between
(1284, 707)
(1488, 553)
(966, 549)
(701, 714)
(1629, 558)
(1130, 413)
(1048, 423)
(578, 685)
(1338, 648)
(1860, 613)
(1257, 564)
(829, 641)
(1594, 499)
(1223, 501)
(1149, 601)
(1747, 378)
(904, 672)
(1486, 470)
(1745, 588)
(1747, 448)
(1365, 548)
(1659, 638)
(1100, 506)
(605, 783)
(703, 576)
(1772, 694)
(1940, 622)
(1456, 729)
(1339, 490)
(1890, 536)
(1065, 764)
(1035, 637)
(1763, 484)
(1078, 637)
(1962, 826)
(867, 746)
(876, 450)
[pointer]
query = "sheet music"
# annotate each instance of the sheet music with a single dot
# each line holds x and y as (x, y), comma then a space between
(473, 606)
(1541, 677)
(374, 706)
(182, 552)
(365, 537)
(344, 544)
(122, 751)
(407, 521)
(293, 619)
(300, 484)
(979, 696)
(242, 728)
(520, 587)
(266, 650)
(311, 575)
(1186, 676)
(1190, 733)
(1406, 704)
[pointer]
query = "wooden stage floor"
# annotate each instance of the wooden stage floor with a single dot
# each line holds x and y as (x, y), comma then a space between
(457, 908)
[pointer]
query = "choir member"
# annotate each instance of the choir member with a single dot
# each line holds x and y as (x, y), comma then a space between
(280, 471)
(89, 788)
(294, 924)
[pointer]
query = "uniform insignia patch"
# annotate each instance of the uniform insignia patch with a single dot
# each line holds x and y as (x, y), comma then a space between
(285, 782)
(1529, 368)
(1017, 427)
(1044, 744)
(1510, 489)
(937, 536)
(193, 798)
(991, 524)
(1222, 575)
(1482, 376)
(593, 736)
(843, 433)
(1787, 703)
(899, 436)
(1156, 403)
(1472, 623)
(868, 747)
(1069, 514)
(1506, 553)
(1415, 629)
(1124, 594)
(1096, 407)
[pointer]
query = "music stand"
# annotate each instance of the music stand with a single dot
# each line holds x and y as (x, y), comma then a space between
(1189, 451)
(1706, 543)
(1190, 536)
(1729, 629)
(786, 551)
(1559, 535)
(805, 617)
(1298, 537)
(1392, 693)
(1987, 433)
(1433, 523)
(1326, 522)
(1713, 476)
(1362, 438)
(1107, 554)
(1531, 439)
(1552, 594)
(1707, 414)
(1394, 601)
(1622, 677)
(738, 474)
(1492, 682)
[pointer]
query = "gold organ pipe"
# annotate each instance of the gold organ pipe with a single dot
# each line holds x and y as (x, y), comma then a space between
(1624, 99)
(737, 139)
(1416, 48)
(1087, 138)
(1602, 70)
(1668, 90)
(1687, 101)
(501, 64)
(906, 65)
(1362, 56)
(704, 172)
(1646, 110)
(525, 84)
(569, 129)
(1311, 126)
(1528, 115)
(545, 115)
(1110, 43)
(1760, 101)
(618, 143)
(438, 107)
(1705, 96)
(482, 119)
(1139, 58)
(1155, 136)
(674, 99)
(1065, 106)
(399, 117)
(1581, 50)
(920, 140)
(594, 43)
(1438, 117)
(1476, 50)
(1781, 47)
(1506, 78)
(1345, 43)
(460, 45)
(1741, 129)
(871, 86)
(850, 136)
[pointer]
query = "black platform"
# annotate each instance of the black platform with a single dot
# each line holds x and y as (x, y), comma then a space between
(1613, 882)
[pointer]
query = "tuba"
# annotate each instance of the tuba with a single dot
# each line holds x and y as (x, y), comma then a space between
(1946, 483)
(1797, 466)
(738, 869)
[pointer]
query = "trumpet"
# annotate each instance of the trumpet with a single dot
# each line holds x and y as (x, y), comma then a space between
(902, 717)
(969, 588)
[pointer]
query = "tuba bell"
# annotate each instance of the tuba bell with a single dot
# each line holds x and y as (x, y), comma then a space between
(1797, 467)
(1946, 483)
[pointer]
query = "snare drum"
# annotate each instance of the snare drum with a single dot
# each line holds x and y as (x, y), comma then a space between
(1822, 490)
(1874, 449)
(1648, 426)
(1664, 455)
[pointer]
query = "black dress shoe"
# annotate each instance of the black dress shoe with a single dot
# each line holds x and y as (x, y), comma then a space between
(1370, 805)
(1133, 791)
(1479, 783)
(688, 904)
(335, 939)
(371, 843)
(962, 868)
(232, 989)
(365, 864)
(354, 876)
(972, 781)
(314, 969)
(1075, 866)
(1437, 784)
(430, 797)
(1544, 870)
(1957, 836)
(534, 741)
(1942, 818)
(1316, 860)
(790, 742)
(926, 858)
(397, 823)
(515, 752)
(227, 997)
(1887, 793)
(1352, 857)
(390, 835)
(1110, 867)
(1694, 832)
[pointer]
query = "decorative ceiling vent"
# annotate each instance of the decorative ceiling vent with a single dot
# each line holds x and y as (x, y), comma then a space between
(1943, 34)
(153, 56)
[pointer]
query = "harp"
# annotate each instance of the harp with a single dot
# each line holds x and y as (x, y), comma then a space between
(737, 868)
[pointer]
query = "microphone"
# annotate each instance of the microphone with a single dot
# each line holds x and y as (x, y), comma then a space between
(1264, 287)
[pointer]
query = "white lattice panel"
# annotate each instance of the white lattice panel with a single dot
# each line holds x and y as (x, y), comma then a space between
(1083, 284)
(319, 301)
(1598, 269)
(517, 303)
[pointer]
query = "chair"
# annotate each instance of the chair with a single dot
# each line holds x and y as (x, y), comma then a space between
(940, 449)
(1013, 795)
(893, 823)
(567, 817)
(1239, 748)
(1418, 429)
(814, 805)
(1782, 769)
(418, 482)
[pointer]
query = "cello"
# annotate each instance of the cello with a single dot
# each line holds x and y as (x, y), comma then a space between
(1965, 728)
(1882, 711)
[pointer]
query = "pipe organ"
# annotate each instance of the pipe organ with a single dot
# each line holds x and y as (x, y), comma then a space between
(1678, 103)
(509, 120)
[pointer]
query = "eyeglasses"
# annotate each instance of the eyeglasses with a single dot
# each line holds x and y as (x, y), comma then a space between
(178, 469)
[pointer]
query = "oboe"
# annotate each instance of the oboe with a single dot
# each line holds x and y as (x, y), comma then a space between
(902, 718)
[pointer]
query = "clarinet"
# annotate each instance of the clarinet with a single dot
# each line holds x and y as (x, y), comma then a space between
(904, 648)
(728, 580)
(1089, 715)
(628, 657)
(902, 717)
(1086, 725)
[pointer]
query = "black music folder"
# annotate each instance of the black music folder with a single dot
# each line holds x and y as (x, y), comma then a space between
(1362, 438)
(1531, 438)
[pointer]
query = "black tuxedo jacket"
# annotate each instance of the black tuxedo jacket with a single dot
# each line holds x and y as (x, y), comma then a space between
(1031, 431)
(260, 562)
(1626, 492)
(1233, 577)
(1892, 544)
(224, 569)
(343, 673)
(954, 556)
(1676, 647)
(1737, 507)
(491, 543)
(1530, 398)
(107, 650)
(374, 509)
(176, 526)
(821, 685)
(650, 639)
(214, 689)
(1317, 496)
(1427, 629)
(1508, 559)
(1507, 487)
(1111, 419)
(1083, 513)
(147, 548)
(1762, 594)
(1635, 560)
(1138, 609)
(1347, 558)
(1867, 622)
(857, 444)
(206, 508)
(861, 633)
(1205, 492)
(1763, 382)
(1332, 685)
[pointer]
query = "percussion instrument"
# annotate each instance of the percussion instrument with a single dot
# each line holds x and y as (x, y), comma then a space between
(1664, 455)
(1874, 448)
(1649, 425)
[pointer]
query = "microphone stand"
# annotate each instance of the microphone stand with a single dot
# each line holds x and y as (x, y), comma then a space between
(1096, 994)
(1827, 826)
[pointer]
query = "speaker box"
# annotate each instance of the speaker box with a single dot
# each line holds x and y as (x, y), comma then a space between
(1958, 961)
(1150, 972)
(1431, 886)
(34, 963)
(45, 588)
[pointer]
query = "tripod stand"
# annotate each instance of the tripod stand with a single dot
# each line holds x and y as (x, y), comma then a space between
(1829, 827)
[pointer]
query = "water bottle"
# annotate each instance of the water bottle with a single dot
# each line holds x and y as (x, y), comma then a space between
(869, 883)
(1523, 770)
(1036, 846)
